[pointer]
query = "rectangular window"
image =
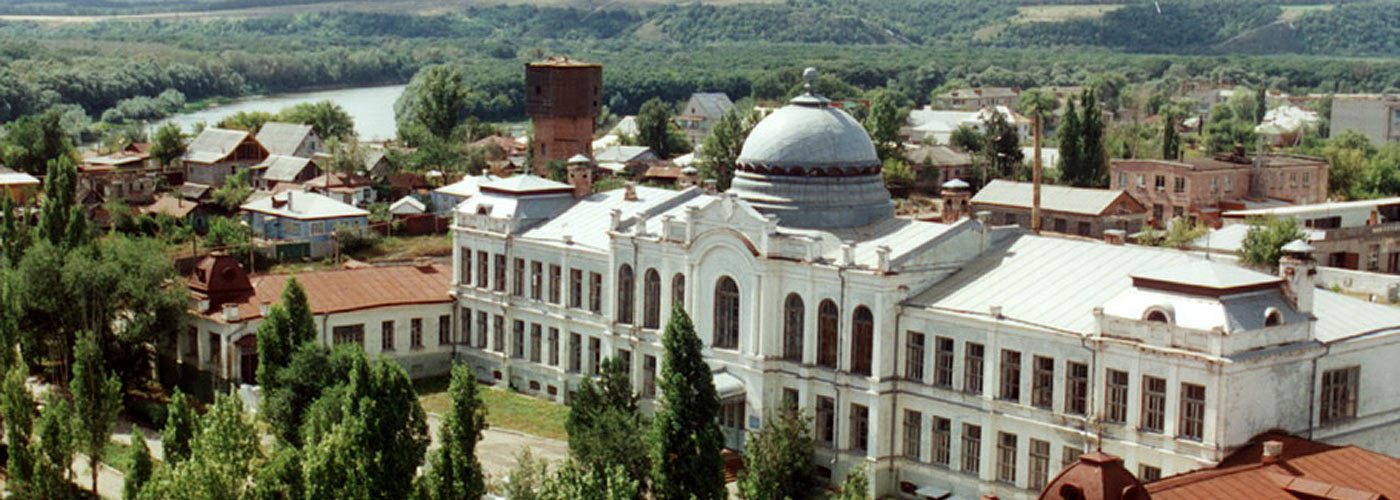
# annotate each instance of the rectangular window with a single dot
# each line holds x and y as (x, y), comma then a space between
(1141, 181)
(649, 376)
(553, 346)
(790, 398)
(731, 413)
(1010, 375)
(1043, 382)
(971, 449)
(972, 368)
(943, 362)
(1180, 185)
(1070, 456)
(1193, 412)
(500, 277)
(349, 334)
(1076, 388)
(1339, 390)
(913, 428)
(517, 278)
(386, 335)
(595, 355)
(1154, 403)
(942, 441)
(415, 333)
(576, 288)
(1160, 183)
(1229, 184)
(914, 357)
(826, 421)
(444, 329)
(860, 427)
(1040, 465)
(498, 329)
(192, 344)
(626, 357)
(1006, 457)
(554, 271)
(536, 279)
(1214, 184)
(482, 328)
(464, 266)
(536, 339)
(1122, 180)
(1116, 397)
(595, 293)
(215, 344)
(517, 339)
(483, 273)
(1307, 179)
(1148, 473)
(575, 352)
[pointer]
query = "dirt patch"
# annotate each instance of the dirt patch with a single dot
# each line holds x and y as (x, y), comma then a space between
(1058, 13)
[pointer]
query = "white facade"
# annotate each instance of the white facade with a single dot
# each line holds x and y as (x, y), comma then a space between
(1207, 354)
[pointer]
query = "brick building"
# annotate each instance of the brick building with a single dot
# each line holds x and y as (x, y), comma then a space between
(1199, 189)
(562, 97)
(1063, 209)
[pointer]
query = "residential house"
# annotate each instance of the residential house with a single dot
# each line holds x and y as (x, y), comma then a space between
(128, 175)
(218, 153)
(939, 125)
(1200, 189)
(408, 205)
(278, 169)
(352, 189)
(625, 160)
(192, 213)
(973, 99)
(1359, 235)
(446, 198)
(407, 183)
(308, 219)
(934, 165)
(500, 147)
(1063, 209)
(401, 313)
(290, 139)
(21, 187)
(377, 165)
(1377, 118)
(1285, 126)
(700, 114)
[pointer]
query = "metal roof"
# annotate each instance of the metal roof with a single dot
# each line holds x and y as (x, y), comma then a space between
(283, 138)
(303, 206)
(623, 154)
(938, 156)
(1313, 209)
(524, 184)
(588, 221)
(213, 144)
(1054, 198)
(809, 137)
(1315, 471)
(1207, 274)
(282, 168)
(710, 105)
(340, 290)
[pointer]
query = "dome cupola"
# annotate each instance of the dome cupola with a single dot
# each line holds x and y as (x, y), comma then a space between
(813, 166)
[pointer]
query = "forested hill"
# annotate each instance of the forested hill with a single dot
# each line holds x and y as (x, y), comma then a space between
(1336, 28)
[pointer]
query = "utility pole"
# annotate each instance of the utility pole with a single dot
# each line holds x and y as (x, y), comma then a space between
(1035, 178)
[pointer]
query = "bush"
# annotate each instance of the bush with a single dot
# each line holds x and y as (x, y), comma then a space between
(354, 239)
(149, 413)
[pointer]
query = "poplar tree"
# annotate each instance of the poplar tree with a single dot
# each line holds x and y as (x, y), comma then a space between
(17, 405)
(180, 428)
(1095, 158)
(141, 466)
(97, 398)
(61, 218)
(1071, 138)
(54, 450)
(686, 439)
(720, 150)
(222, 458)
(303, 324)
(883, 124)
(604, 421)
(454, 473)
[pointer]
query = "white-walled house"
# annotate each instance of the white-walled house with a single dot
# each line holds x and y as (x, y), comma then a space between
(403, 313)
(961, 357)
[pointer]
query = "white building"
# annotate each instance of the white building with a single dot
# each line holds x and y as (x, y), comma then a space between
(947, 358)
(939, 125)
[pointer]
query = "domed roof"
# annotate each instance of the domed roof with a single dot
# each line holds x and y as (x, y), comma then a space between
(808, 134)
(1097, 476)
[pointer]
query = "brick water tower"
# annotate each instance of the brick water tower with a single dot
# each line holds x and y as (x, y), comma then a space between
(563, 98)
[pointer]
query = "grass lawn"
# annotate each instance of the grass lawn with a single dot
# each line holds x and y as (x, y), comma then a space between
(505, 409)
(116, 457)
(398, 248)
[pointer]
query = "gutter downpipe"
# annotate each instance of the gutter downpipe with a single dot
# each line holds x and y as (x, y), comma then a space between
(894, 405)
(835, 385)
(1312, 388)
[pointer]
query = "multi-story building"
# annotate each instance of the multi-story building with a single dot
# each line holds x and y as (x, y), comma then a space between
(700, 114)
(218, 153)
(1200, 189)
(1376, 117)
(1359, 235)
(1063, 209)
(960, 358)
(973, 99)
(563, 98)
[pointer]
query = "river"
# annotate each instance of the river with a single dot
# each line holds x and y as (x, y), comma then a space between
(372, 108)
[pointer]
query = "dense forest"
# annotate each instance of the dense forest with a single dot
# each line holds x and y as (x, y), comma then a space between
(911, 46)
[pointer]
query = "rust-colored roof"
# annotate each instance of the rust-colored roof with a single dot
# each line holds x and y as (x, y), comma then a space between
(1305, 469)
(664, 172)
(173, 206)
(1097, 476)
(342, 290)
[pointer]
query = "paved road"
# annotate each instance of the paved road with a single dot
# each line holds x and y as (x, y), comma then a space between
(499, 447)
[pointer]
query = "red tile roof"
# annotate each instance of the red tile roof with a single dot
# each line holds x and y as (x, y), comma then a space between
(342, 290)
(1306, 469)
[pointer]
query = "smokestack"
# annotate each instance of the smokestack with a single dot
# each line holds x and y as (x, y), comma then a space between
(1273, 450)
(630, 191)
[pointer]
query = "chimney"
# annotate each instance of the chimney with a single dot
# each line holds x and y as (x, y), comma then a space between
(882, 253)
(231, 313)
(711, 187)
(1299, 273)
(1115, 236)
(630, 191)
(956, 195)
(616, 216)
(996, 312)
(264, 308)
(289, 202)
(580, 173)
(1273, 450)
(848, 254)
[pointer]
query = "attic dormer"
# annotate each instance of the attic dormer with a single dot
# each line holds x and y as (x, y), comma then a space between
(1208, 307)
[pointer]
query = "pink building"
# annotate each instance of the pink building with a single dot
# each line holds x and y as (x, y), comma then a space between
(1199, 189)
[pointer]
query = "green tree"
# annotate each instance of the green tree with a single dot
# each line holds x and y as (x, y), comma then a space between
(967, 139)
(655, 130)
(778, 459)
(61, 218)
(223, 457)
(141, 465)
(328, 119)
(229, 234)
(1261, 104)
(1172, 114)
(453, 471)
(275, 346)
(1070, 135)
(1003, 146)
(181, 425)
(168, 144)
(280, 478)
(234, 192)
(1381, 177)
(898, 175)
(604, 421)
(883, 123)
(30, 143)
(720, 150)
(576, 483)
(250, 121)
(97, 398)
(15, 235)
(1093, 168)
(526, 479)
(439, 100)
(1181, 232)
(53, 450)
(855, 487)
(312, 371)
(17, 405)
(1263, 243)
(686, 439)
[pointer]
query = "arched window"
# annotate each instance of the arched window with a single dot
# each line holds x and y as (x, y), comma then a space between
(828, 321)
(792, 328)
(726, 314)
(862, 352)
(651, 299)
(678, 289)
(626, 295)
(1158, 315)
(1273, 318)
